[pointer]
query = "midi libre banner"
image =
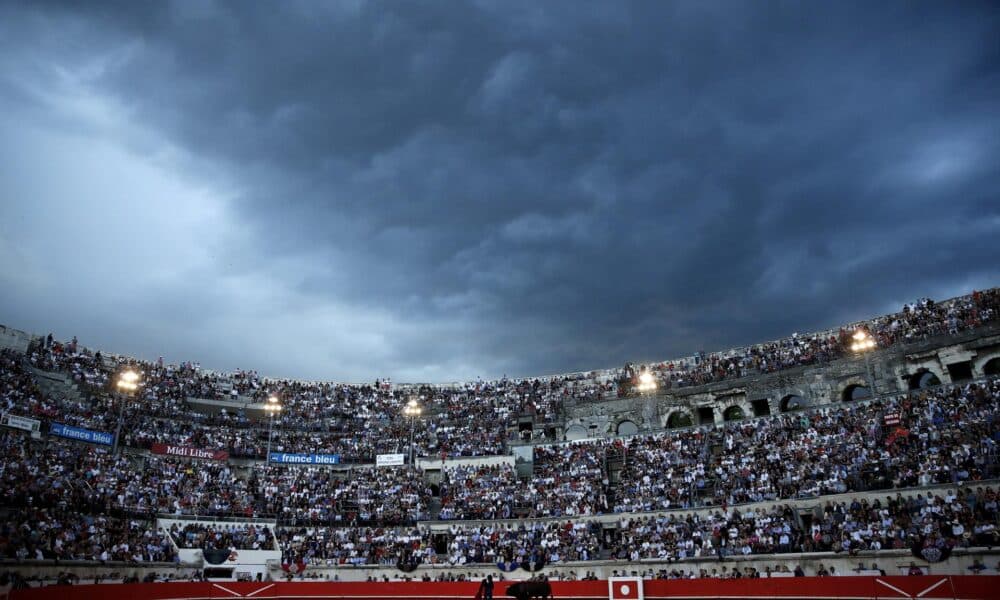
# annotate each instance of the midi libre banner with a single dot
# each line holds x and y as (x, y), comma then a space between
(188, 452)
(305, 459)
(84, 435)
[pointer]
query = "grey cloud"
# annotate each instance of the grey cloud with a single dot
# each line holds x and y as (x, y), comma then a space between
(561, 186)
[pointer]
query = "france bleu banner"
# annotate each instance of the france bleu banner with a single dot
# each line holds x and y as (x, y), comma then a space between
(84, 435)
(305, 459)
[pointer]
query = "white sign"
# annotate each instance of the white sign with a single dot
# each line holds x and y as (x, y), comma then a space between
(389, 460)
(20, 422)
(625, 588)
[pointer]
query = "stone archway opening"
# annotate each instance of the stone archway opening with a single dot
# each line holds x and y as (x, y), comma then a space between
(576, 432)
(733, 413)
(853, 393)
(679, 418)
(922, 379)
(627, 428)
(992, 367)
(792, 402)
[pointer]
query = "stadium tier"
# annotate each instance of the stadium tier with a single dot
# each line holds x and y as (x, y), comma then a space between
(873, 443)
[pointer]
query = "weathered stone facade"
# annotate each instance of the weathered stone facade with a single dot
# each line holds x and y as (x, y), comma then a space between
(898, 369)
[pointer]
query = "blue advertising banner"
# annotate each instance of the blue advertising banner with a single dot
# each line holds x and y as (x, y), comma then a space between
(305, 459)
(84, 435)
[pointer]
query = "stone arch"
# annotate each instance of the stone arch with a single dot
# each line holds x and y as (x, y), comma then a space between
(856, 391)
(679, 418)
(988, 363)
(992, 366)
(734, 413)
(576, 432)
(626, 427)
(923, 378)
(792, 402)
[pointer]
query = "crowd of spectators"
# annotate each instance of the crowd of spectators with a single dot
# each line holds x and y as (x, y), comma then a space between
(538, 541)
(478, 492)
(721, 534)
(241, 536)
(354, 421)
(569, 480)
(18, 391)
(352, 545)
(359, 421)
(944, 436)
(308, 494)
(919, 320)
(66, 499)
(960, 518)
(59, 474)
(65, 473)
(948, 435)
(66, 534)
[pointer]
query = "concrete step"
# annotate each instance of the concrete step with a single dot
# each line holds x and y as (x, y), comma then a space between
(433, 509)
(58, 385)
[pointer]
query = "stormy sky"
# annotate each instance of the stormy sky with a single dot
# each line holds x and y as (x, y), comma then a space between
(436, 191)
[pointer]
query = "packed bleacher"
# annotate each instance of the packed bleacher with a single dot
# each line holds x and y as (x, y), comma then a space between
(307, 494)
(471, 419)
(945, 436)
(65, 534)
(67, 499)
(240, 536)
(919, 320)
(961, 518)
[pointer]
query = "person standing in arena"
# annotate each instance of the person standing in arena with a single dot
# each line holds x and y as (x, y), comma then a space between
(485, 589)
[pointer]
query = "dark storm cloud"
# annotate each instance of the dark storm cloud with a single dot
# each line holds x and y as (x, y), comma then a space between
(542, 187)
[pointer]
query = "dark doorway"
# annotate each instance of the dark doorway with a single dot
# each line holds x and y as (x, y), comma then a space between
(960, 371)
(761, 408)
(678, 419)
(706, 416)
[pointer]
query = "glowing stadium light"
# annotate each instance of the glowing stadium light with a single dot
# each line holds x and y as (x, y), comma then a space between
(863, 344)
(647, 383)
(127, 383)
(271, 407)
(412, 410)
(863, 341)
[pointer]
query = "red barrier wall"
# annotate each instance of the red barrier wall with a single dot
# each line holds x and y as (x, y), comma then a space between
(926, 587)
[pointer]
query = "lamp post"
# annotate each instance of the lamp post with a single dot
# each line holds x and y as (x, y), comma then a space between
(863, 344)
(126, 384)
(272, 407)
(412, 410)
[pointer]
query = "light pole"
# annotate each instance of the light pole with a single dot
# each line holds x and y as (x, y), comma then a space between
(412, 410)
(863, 344)
(272, 407)
(127, 384)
